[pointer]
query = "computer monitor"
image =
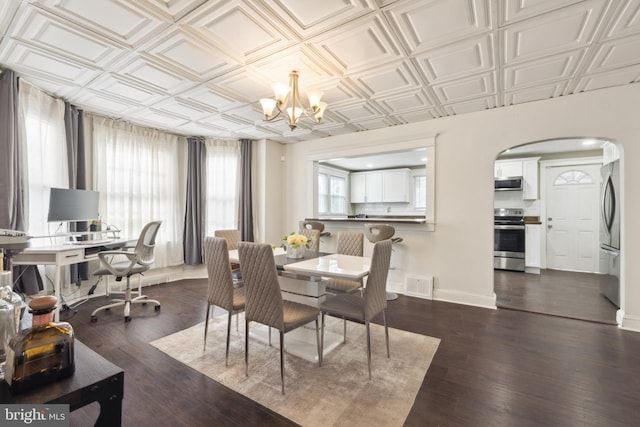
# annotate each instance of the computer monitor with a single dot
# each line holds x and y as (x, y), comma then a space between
(73, 205)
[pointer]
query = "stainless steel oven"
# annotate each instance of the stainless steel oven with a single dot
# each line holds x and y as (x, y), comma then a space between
(508, 239)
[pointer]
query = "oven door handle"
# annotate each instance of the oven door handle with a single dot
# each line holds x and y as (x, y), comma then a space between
(509, 227)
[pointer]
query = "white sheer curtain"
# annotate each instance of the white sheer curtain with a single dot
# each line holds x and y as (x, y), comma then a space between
(223, 185)
(140, 174)
(44, 134)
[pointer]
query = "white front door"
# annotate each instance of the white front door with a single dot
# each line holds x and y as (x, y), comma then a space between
(572, 217)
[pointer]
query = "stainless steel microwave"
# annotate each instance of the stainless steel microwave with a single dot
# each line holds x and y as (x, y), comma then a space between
(512, 183)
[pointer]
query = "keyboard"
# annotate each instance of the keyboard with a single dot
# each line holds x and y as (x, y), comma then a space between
(92, 242)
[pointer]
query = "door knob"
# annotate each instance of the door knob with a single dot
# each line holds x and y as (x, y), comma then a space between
(549, 226)
(549, 219)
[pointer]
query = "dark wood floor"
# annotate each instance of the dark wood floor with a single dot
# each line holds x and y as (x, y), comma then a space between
(493, 367)
(554, 292)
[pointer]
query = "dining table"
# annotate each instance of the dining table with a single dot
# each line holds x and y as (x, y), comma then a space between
(304, 280)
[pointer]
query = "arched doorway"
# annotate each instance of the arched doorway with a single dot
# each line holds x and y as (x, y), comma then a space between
(564, 266)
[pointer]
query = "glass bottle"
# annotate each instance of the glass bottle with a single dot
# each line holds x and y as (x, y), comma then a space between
(43, 353)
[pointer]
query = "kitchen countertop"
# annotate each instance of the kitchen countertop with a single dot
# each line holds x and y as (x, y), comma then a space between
(404, 219)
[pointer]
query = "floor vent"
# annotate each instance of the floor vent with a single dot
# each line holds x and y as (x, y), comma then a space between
(419, 287)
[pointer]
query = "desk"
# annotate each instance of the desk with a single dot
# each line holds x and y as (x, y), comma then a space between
(95, 380)
(61, 256)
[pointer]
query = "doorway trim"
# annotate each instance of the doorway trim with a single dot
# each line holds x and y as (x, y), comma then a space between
(544, 164)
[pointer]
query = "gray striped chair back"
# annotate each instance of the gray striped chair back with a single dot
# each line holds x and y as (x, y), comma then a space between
(375, 293)
(231, 236)
(314, 236)
(216, 256)
(350, 243)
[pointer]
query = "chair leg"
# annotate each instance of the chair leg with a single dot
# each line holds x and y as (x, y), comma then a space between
(206, 327)
(386, 330)
(282, 360)
(368, 347)
(226, 356)
(344, 330)
(246, 348)
(321, 337)
(318, 344)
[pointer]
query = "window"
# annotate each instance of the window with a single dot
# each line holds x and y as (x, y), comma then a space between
(223, 159)
(332, 191)
(420, 192)
(573, 177)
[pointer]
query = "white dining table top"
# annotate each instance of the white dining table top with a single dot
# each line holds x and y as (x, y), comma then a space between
(334, 265)
(235, 258)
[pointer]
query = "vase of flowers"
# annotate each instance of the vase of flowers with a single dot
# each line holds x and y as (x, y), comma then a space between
(295, 244)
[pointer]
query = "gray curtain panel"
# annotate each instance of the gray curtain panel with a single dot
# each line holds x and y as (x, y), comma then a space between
(245, 212)
(194, 215)
(77, 176)
(13, 182)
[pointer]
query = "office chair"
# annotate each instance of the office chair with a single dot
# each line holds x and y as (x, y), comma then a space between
(138, 261)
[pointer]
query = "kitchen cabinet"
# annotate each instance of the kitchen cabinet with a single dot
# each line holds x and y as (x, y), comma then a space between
(530, 178)
(366, 187)
(508, 168)
(381, 186)
(532, 247)
(395, 185)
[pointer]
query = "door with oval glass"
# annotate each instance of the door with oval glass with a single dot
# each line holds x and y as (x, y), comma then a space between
(572, 217)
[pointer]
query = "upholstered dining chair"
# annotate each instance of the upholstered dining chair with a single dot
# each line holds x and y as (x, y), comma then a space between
(362, 309)
(137, 261)
(221, 291)
(348, 243)
(232, 236)
(264, 299)
(314, 236)
(378, 232)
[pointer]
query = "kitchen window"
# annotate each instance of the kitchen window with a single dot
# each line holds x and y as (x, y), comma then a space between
(420, 192)
(332, 192)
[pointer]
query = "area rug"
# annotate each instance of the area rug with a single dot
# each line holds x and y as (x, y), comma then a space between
(338, 393)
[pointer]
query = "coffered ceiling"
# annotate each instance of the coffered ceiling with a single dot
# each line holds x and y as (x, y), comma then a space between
(198, 67)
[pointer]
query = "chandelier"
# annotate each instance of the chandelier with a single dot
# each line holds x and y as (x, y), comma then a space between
(283, 94)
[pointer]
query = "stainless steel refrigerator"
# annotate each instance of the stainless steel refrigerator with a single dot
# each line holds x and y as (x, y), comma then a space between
(610, 232)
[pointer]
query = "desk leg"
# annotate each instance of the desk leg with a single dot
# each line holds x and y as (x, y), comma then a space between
(110, 412)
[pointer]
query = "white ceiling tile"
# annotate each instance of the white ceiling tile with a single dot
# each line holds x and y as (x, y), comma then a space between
(567, 29)
(535, 93)
(208, 97)
(8, 9)
(184, 108)
(307, 18)
(162, 78)
(42, 29)
(185, 51)
(546, 70)
(128, 90)
(314, 71)
(430, 23)
(617, 77)
(101, 103)
(217, 20)
(47, 66)
(516, 10)
(356, 112)
(457, 60)
(616, 54)
(390, 79)
(362, 44)
(128, 23)
(403, 103)
(159, 118)
(627, 21)
(174, 9)
(471, 87)
(417, 116)
(471, 106)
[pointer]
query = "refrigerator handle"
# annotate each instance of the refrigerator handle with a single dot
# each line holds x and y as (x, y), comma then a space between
(608, 211)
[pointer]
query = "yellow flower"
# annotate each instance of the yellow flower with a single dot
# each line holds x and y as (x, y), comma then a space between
(295, 241)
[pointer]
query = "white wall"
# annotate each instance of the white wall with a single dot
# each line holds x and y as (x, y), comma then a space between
(459, 253)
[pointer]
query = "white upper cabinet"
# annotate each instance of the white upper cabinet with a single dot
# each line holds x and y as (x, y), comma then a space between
(395, 185)
(508, 168)
(530, 178)
(366, 187)
(383, 186)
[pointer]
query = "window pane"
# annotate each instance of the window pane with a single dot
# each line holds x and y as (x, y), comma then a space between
(338, 195)
(323, 193)
(420, 192)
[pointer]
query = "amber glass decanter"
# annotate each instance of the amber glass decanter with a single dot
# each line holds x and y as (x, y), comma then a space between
(43, 353)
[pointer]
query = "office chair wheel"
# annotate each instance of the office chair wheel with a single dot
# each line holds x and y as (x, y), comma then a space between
(127, 319)
(156, 308)
(94, 319)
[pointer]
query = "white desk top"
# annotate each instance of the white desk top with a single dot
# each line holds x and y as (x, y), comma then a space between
(334, 265)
